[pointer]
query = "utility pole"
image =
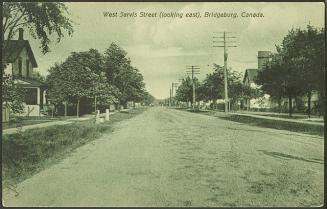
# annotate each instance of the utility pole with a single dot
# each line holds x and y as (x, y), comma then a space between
(225, 39)
(169, 97)
(193, 70)
(172, 90)
(173, 85)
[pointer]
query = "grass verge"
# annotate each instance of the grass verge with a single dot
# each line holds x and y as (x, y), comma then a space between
(28, 152)
(311, 129)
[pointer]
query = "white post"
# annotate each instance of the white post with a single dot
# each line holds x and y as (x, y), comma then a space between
(97, 116)
(44, 95)
(107, 114)
(38, 96)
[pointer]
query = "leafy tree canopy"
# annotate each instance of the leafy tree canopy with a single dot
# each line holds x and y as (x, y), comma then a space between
(41, 18)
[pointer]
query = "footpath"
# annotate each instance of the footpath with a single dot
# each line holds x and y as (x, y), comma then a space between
(47, 124)
(302, 121)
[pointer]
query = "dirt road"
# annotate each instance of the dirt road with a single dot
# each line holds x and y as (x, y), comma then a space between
(168, 157)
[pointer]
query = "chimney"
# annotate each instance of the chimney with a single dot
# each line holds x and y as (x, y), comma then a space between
(21, 34)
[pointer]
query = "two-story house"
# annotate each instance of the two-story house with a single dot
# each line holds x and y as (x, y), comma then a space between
(21, 63)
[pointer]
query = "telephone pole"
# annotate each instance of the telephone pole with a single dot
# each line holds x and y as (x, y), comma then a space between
(173, 85)
(169, 97)
(227, 41)
(193, 70)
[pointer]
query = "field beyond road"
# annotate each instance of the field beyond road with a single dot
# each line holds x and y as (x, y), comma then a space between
(166, 157)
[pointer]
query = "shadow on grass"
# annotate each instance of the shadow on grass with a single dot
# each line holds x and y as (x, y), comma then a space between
(287, 156)
(311, 129)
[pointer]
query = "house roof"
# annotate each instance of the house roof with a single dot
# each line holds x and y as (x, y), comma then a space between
(29, 82)
(14, 49)
(251, 74)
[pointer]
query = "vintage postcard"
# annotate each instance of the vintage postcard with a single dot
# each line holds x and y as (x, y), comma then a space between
(163, 104)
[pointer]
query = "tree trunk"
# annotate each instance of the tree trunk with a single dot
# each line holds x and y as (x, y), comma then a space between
(290, 106)
(118, 106)
(309, 104)
(279, 105)
(95, 104)
(247, 104)
(77, 114)
(65, 109)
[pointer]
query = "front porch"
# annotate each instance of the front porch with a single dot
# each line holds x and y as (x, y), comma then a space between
(34, 98)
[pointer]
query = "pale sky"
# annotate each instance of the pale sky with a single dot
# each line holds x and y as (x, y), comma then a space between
(161, 48)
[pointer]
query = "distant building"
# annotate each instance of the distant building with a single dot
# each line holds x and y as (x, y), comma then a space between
(263, 58)
(249, 80)
(21, 63)
(265, 102)
(249, 76)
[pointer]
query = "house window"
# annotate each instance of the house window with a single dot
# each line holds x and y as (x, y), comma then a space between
(20, 65)
(27, 68)
(31, 96)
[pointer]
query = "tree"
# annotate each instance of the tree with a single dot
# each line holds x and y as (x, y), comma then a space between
(297, 68)
(184, 92)
(212, 86)
(148, 98)
(12, 95)
(104, 93)
(126, 78)
(272, 81)
(115, 59)
(41, 18)
(308, 55)
(74, 78)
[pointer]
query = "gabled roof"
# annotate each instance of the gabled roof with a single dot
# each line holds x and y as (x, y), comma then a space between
(14, 49)
(251, 74)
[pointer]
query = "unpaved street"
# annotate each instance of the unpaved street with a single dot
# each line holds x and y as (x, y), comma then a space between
(167, 157)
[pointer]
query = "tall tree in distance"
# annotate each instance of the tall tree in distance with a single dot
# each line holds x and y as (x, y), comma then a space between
(184, 92)
(115, 59)
(212, 86)
(121, 74)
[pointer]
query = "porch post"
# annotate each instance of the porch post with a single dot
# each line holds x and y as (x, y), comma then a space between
(38, 96)
(44, 96)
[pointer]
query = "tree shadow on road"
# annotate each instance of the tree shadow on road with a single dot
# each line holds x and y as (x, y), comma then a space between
(287, 156)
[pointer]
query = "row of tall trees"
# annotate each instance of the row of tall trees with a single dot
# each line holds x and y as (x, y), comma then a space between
(212, 88)
(297, 69)
(107, 78)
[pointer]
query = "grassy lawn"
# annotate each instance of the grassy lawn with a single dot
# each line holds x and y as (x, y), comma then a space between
(28, 152)
(311, 129)
(24, 121)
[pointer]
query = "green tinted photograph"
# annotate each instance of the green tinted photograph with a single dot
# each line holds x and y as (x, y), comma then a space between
(163, 104)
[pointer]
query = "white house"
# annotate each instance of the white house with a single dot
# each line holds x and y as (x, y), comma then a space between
(21, 63)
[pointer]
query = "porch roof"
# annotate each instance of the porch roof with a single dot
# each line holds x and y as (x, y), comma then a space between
(29, 82)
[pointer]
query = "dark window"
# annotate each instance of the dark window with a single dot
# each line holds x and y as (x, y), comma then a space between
(31, 96)
(27, 68)
(20, 65)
